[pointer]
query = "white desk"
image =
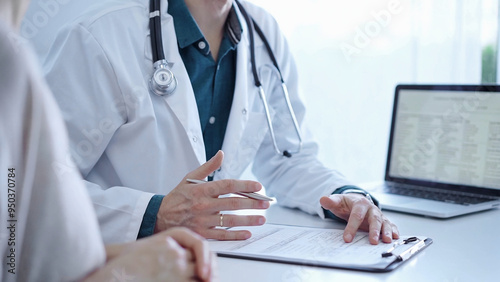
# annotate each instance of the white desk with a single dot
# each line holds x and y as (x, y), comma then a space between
(466, 248)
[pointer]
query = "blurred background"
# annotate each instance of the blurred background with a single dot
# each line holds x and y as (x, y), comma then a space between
(351, 55)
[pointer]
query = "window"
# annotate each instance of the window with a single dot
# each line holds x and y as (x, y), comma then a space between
(489, 41)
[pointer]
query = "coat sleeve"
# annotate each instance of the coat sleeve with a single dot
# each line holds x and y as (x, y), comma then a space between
(86, 88)
(299, 181)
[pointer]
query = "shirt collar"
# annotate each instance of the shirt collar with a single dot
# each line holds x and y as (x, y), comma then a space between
(187, 30)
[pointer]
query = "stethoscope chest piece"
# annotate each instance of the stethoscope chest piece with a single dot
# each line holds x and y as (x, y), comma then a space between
(163, 81)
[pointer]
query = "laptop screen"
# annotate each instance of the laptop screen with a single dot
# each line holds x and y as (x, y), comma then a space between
(446, 134)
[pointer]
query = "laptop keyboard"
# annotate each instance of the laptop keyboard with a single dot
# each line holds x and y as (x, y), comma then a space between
(436, 195)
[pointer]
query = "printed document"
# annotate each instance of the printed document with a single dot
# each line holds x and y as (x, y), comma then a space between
(309, 245)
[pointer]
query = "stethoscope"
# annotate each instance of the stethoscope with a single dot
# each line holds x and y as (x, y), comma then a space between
(163, 82)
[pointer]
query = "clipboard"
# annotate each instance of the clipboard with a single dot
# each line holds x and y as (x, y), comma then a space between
(320, 247)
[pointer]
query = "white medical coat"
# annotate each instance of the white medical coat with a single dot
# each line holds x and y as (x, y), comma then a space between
(55, 235)
(131, 144)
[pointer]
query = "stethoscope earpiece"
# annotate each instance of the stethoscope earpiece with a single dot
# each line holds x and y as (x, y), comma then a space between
(163, 81)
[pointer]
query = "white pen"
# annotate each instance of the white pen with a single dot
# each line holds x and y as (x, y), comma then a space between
(251, 195)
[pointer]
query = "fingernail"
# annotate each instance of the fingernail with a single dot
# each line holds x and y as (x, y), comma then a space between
(375, 237)
(348, 238)
(257, 186)
(216, 155)
(262, 221)
(265, 205)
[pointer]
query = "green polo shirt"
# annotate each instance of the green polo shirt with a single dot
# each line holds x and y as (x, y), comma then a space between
(213, 84)
(212, 81)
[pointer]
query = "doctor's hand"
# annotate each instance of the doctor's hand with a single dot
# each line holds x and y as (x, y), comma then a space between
(174, 255)
(198, 207)
(360, 213)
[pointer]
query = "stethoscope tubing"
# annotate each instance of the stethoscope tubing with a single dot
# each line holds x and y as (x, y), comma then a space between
(253, 26)
(155, 28)
(160, 64)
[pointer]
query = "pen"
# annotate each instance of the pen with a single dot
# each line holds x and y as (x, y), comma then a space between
(251, 195)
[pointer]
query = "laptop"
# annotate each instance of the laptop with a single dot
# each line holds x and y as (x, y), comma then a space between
(444, 151)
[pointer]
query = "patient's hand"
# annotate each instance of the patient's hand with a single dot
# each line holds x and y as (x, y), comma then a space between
(173, 255)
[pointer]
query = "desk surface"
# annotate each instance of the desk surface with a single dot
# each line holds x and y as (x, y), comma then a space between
(465, 248)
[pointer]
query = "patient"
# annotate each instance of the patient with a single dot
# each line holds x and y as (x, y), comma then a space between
(48, 226)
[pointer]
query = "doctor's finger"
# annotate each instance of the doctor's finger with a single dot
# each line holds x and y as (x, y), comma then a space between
(239, 203)
(356, 218)
(226, 235)
(389, 231)
(226, 186)
(375, 223)
(207, 168)
(230, 220)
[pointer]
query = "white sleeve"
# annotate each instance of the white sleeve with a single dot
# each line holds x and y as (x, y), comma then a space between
(93, 108)
(56, 234)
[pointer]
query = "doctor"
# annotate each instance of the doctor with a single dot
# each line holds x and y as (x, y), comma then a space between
(137, 133)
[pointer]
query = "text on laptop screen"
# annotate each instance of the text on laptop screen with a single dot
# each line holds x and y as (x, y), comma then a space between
(448, 137)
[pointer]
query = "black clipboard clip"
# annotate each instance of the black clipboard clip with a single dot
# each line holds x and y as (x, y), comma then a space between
(407, 253)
